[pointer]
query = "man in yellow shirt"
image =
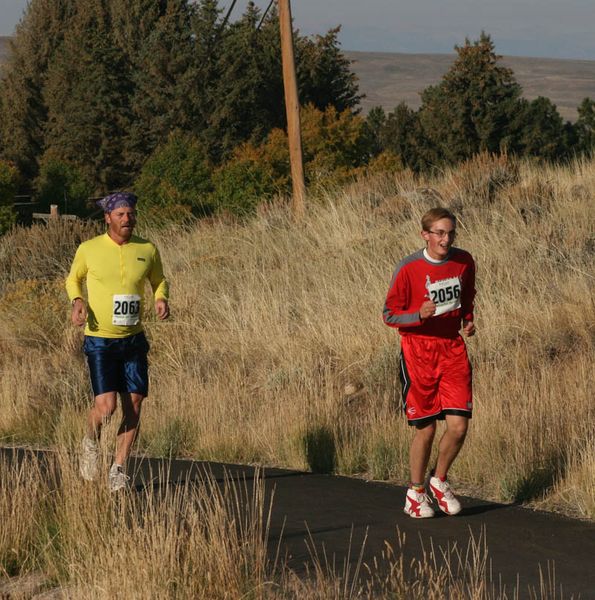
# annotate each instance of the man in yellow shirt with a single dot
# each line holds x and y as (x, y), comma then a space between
(115, 266)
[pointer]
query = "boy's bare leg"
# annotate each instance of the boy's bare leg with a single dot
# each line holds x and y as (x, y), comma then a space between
(420, 451)
(451, 443)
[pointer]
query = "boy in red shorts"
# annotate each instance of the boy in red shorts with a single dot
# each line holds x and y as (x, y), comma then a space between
(430, 297)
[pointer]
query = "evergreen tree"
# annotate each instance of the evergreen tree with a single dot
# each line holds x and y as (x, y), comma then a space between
(8, 186)
(206, 33)
(64, 184)
(23, 112)
(177, 175)
(402, 135)
(324, 74)
(248, 96)
(543, 132)
(249, 80)
(164, 78)
(585, 126)
(471, 110)
(373, 131)
(88, 96)
(98, 85)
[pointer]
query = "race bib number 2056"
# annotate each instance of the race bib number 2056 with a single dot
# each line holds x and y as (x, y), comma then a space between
(446, 294)
(126, 309)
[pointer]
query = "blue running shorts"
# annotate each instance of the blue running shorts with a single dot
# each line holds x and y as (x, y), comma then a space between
(118, 364)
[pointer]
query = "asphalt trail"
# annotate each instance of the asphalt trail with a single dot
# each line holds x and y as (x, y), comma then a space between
(338, 514)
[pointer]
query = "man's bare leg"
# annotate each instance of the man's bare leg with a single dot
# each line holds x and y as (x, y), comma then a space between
(131, 409)
(103, 409)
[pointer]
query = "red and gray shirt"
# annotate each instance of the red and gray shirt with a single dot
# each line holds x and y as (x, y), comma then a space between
(449, 283)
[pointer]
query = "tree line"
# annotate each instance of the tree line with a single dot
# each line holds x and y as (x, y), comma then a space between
(176, 101)
(91, 89)
(478, 107)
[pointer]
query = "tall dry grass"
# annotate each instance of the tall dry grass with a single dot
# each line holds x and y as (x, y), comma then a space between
(204, 540)
(276, 352)
(24, 512)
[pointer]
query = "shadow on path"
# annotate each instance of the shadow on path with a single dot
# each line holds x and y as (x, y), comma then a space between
(336, 515)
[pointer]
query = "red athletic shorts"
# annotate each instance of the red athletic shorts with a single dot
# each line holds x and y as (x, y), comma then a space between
(436, 378)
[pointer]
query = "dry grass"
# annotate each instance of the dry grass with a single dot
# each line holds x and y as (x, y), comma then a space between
(276, 352)
(202, 540)
(23, 507)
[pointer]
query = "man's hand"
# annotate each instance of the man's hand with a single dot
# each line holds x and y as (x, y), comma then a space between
(161, 309)
(468, 328)
(427, 309)
(78, 316)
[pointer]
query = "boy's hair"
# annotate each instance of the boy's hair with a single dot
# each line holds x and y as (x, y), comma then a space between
(435, 214)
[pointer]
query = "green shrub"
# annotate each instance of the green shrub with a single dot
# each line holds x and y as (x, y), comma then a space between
(8, 217)
(9, 177)
(177, 174)
(240, 185)
(63, 183)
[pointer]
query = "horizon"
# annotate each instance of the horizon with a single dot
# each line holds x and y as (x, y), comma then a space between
(451, 53)
(521, 28)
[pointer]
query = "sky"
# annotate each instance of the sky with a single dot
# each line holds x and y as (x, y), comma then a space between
(541, 28)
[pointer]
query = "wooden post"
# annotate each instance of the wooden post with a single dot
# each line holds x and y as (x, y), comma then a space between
(54, 214)
(292, 108)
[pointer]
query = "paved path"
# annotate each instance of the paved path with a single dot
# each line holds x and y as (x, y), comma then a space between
(331, 511)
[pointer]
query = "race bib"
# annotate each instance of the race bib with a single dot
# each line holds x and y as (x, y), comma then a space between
(445, 294)
(126, 309)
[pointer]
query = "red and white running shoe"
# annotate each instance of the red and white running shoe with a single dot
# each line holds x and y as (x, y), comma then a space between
(418, 505)
(447, 501)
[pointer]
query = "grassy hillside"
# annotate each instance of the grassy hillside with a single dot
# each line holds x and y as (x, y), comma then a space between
(277, 354)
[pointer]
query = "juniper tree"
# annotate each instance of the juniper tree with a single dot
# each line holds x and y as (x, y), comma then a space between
(88, 95)
(542, 132)
(206, 32)
(165, 80)
(23, 112)
(472, 108)
(324, 73)
(247, 94)
(374, 126)
(585, 126)
(402, 135)
(100, 84)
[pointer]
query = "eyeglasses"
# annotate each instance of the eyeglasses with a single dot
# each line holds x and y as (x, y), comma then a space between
(442, 234)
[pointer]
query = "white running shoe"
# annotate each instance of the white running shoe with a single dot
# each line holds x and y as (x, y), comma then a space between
(88, 459)
(447, 501)
(418, 505)
(117, 478)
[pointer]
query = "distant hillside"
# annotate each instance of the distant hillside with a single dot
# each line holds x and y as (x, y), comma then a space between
(390, 78)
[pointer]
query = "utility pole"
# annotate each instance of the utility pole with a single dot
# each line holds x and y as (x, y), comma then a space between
(292, 108)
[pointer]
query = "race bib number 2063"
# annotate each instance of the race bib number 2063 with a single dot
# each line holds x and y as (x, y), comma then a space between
(126, 309)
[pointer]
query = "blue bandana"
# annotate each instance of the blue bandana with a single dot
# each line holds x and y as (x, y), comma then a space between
(117, 200)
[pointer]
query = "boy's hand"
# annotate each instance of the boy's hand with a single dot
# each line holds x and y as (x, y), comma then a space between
(427, 309)
(468, 328)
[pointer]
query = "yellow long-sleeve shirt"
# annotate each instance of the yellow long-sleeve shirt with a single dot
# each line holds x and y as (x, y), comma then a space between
(115, 276)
